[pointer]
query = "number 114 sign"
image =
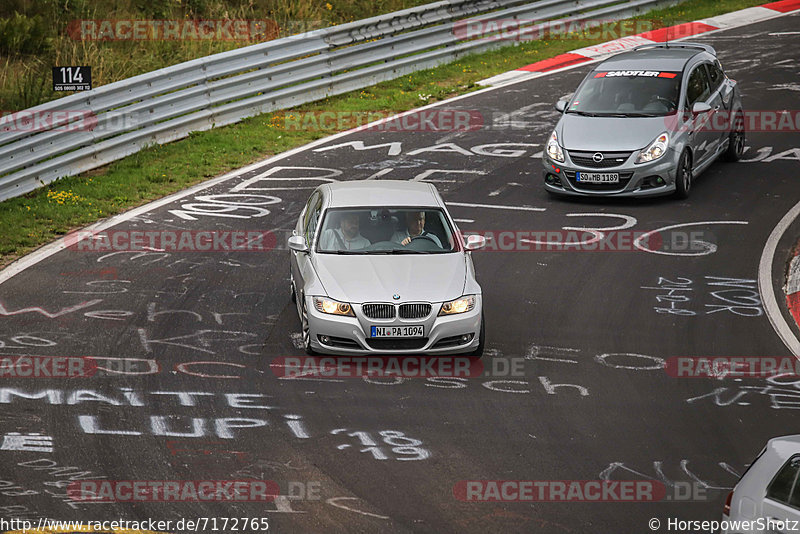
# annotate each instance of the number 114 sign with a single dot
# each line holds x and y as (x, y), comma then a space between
(72, 78)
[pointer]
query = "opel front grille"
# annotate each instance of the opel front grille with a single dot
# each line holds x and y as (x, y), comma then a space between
(607, 159)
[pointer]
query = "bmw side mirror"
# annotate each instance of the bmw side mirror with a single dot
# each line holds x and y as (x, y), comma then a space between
(561, 105)
(700, 107)
(475, 242)
(298, 243)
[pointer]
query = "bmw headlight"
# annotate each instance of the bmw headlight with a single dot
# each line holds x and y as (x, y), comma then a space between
(460, 305)
(656, 149)
(334, 307)
(554, 149)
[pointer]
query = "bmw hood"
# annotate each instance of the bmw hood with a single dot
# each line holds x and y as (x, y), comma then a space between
(610, 134)
(377, 277)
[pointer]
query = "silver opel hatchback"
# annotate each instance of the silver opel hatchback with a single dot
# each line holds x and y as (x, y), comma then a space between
(379, 267)
(645, 123)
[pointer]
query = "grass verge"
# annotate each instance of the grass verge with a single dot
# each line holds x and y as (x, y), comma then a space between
(35, 219)
(37, 35)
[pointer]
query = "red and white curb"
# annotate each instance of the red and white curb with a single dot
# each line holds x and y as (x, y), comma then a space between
(733, 19)
(792, 288)
(766, 288)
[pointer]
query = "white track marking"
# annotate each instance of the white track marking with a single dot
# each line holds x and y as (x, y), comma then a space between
(743, 17)
(711, 248)
(334, 502)
(768, 300)
(598, 233)
(629, 221)
(494, 206)
(430, 172)
(503, 188)
(380, 173)
(596, 236)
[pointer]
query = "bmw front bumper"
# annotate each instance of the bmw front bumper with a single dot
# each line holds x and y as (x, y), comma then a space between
(636, 180)
(351, 335)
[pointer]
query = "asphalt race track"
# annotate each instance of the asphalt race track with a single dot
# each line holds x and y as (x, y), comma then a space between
(588, 333)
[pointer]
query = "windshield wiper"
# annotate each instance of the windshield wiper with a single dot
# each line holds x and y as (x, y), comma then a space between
(645, 115)
(614, 114)
(377, 252)
(403, 251)
(584, 113)
(387, 251)
(632, 114)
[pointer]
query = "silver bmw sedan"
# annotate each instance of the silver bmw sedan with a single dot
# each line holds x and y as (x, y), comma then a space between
(379, 267)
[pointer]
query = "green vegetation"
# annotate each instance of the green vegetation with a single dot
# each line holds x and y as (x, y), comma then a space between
(35, 36)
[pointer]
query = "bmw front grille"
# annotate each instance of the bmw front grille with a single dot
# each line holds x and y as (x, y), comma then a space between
(415, 311)
(378, 311)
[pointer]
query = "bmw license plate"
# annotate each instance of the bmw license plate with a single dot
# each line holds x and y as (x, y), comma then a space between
(397, 331)
(597, 177)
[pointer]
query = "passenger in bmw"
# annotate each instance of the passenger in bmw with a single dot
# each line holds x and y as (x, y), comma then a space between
(415, 227)
(346, 237)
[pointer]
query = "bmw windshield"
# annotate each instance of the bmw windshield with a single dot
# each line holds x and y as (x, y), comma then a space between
(385, 231)
(627, 93)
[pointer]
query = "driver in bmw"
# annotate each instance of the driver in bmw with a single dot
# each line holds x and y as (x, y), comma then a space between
(415, 227)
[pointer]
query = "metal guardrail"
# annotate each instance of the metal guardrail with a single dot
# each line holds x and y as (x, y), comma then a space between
(168, 104)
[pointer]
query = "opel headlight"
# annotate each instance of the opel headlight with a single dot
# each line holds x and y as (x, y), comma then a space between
(460, 305)
(554, 149)
(333, 307)
(657, 149)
